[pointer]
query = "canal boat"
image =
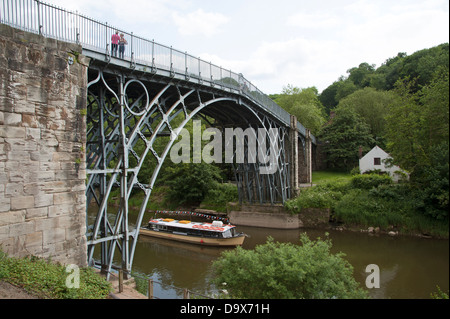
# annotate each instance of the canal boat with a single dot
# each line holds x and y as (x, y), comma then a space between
(208, 234)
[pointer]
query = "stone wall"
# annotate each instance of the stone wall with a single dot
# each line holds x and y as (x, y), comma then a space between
(43, 87)
(275, 216)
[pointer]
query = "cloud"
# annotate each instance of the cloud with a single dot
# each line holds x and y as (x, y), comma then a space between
(311, 43)
(315, 20)
(296, 61)
(400, 29)
(199, 22)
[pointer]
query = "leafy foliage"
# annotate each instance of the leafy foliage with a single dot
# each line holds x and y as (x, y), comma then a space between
(360, 207)
(304, 104)
(424, 119)
(369, 181)
(190, 182)
(322, 196)
(372, 106)
(343, 137)
(284, 270)
(421, 65)
(219, 195)
(432, 187)
(421, 146)
(373, 200)
(48, 280)
(439, 294)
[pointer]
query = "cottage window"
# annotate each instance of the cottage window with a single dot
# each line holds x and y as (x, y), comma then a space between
(376, 161)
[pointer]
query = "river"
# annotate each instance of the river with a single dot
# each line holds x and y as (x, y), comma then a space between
(410, 267)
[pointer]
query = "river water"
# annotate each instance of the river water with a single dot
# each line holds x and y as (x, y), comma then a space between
(410, 267)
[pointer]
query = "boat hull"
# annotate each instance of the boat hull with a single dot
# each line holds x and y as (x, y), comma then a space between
(205, 241)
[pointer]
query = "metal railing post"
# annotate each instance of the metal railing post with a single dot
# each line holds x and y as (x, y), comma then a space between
(108, 55)
(172, 73)
(150, 289)
(133, 63)
(39, 17)
(120, 280)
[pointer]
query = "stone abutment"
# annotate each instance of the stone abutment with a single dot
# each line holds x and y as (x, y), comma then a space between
(43, 87)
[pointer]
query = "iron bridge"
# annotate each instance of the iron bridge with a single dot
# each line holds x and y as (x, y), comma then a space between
(137, 105)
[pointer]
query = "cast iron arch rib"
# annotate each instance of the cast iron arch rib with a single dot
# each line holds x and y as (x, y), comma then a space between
(126, 111)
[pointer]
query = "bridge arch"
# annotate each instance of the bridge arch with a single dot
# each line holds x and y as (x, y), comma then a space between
(126, 111)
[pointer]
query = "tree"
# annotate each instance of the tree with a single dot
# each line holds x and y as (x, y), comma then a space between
(372, 106)
(343, 137)
(328, 97)
(418, 134)
(423, 64)
(389, 71)
(304, 104)
(286, 271)
(360, 76)
(423, 119)
(331, 96)
(190, 182)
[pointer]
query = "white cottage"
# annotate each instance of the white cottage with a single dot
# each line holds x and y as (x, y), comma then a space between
(375, 160)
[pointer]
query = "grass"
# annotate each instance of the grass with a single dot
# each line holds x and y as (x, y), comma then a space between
(47, 280)
(323, 177)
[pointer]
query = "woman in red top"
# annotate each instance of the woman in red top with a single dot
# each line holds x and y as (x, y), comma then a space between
(114, 43)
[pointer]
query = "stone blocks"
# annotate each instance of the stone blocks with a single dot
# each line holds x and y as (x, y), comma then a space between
(42, 143)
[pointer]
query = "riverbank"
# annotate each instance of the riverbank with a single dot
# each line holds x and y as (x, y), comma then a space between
(365, 201)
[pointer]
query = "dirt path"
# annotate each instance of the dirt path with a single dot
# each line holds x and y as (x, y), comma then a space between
(8, 291)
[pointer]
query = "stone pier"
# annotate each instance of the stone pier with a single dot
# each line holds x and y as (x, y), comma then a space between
(276, 216)
(43, 88)
(301, 158)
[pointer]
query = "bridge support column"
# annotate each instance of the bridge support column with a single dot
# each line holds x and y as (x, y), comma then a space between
(307, 167)
(294, 157)
(301, 157)
(305, 159)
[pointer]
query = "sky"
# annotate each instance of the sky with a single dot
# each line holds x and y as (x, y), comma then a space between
(302, 43)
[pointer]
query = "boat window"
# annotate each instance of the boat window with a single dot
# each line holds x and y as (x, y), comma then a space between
(227, 234)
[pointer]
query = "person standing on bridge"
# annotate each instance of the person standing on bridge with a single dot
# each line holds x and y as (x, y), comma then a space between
(114, 43)
(122, 43)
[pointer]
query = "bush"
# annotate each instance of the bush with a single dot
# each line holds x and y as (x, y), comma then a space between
(321, 196)
(313, 198)
(358, 207)
(355, 171)
(370, 181)
(219, 196)
(284, 270)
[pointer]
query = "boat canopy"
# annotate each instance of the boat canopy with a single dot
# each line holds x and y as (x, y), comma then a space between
(216, 226)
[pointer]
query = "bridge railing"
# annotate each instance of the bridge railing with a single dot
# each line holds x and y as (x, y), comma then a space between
(38, 17)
